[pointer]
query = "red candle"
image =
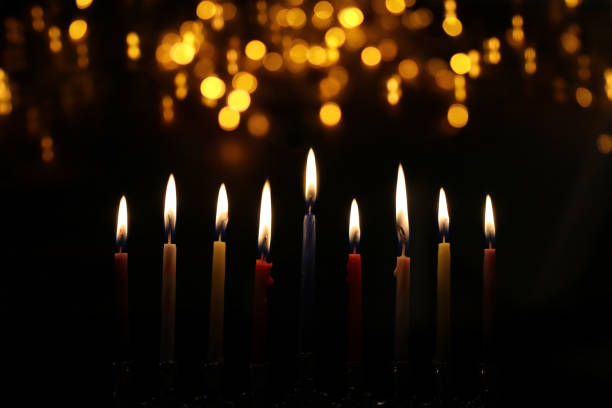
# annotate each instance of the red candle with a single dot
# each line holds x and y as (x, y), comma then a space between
(353, 279)
(121, 282)
(262, 277)
(488, 280)
(169, 277)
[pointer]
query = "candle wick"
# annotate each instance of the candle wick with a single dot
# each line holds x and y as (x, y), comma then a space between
(404, 247)
(490, 244)
(443, 238)
(169, 237)
(219, 236)
(309, 208)
(355, 249)
(120, 248)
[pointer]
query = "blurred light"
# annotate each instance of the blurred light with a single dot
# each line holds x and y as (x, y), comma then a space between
(298, 53)
(491, 47)
(608, 80)
(182, 53)
(77, 29)
(206, 10)
(584, 97)
(604, 144)
(317, 55)
(229, 11)
(296, 18)
(255, 50)
(395, 6)
(350, 17)
(408, 69)
(229, 119)
(452, 26)
(167, 109)
(457, 115)
(258, 125)
(133, 42)
(530, 60)
(244, 80)
(212, 87)
(330, 114)
(460, 63)
(460, 88)
(569, 39)
(323, 10)
(445, 79)
(370, 56)
(333, 55)
(393, 97)
(474, 63)
(273, 61)
(335, 37)
(37, 13)
(340, 74)
(572, 3)
(393, 83)
(239, 100)
(388, 49)
(329, 87)
(417, 19)
(83, 4)
(355, 38)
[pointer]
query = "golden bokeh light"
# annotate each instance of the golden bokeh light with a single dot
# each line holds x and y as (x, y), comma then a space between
(452, 26)
(355, 38)
(457, 115)
(408, 69)
(77, 29)
(460, 93)
(460, 63)
(395, 6)
(474, 63)
(206, 10)
(323, 10)
(273, 61)
(182, 53)
(584, 97)
(255, 50)
(335, 37)
(350, 17)
(572, 3)
(317, 55)
(330, 114)
(393, 83)
(228, 118)
(239, 100)
(212, 87)
(299, 53)
(604, 144)
(245, 80)
(83, 4)
(388, 49)
(370, 56)
(340, 74)
(445, 79)
(329, 87)
(258, 125)
(296, 18)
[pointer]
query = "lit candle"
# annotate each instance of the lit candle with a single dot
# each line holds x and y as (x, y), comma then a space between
(121, 281)
(402, 271)
(169, 276)
(443, 321)
(217, 286)
(353, 278)
(488, 280)
(262, 277)
(307, 281)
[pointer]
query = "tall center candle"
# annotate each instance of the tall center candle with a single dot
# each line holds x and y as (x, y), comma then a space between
(353, 279)
(262, 277)
(488, 282)
(443, 320)
(168, 276)
(402, 271)
(217, 286)
(121, 282)
(307, 278)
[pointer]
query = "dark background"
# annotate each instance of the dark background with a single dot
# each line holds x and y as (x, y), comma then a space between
(550, 186)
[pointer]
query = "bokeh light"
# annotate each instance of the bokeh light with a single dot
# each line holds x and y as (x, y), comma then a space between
(408, 69)
(229, 119)
(584, 97)
(330, 114)
(245, 80)
(460, 63)
(273, 61)
(206, 10)
(239, 100)
(255, 50)
(77, 29)
(350, 17)
(457, 115)
(83, 4)
(335, 37)
(604, 144)
(452, 26)
(370, 56)
(212, 87)
(258, 125)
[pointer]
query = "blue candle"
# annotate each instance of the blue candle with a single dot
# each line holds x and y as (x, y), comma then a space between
(307, 280)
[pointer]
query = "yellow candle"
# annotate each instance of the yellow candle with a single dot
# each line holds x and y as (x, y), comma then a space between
(217, 287)
(443, 321)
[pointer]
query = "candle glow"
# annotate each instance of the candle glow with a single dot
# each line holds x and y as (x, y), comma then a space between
(122, 223)
(443, 219)
(310, 184)
(222, 211)
(401, 207)
(489, 221)
(265, 220)
(170, 206)
(354, 230)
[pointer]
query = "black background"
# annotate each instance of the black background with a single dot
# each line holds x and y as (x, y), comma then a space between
(550, 186)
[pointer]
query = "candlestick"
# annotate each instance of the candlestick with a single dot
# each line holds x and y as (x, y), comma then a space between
(121, 282)
(402, 271)
(169, 276)
(443, 321)
(217, 286)
(262, 277)
(353, 278)
(488, 281)
(307, 279)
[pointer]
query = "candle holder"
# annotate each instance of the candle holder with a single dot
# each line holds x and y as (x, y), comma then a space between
(442, 385)
(403, 393)
(259, 384)
(122, 392)
(488, 391)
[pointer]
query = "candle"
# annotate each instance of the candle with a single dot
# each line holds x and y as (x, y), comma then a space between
(443, 321)
(262, 277)
(402, 271)
(353, 278)
(121, 281)
(217, 286)
(168, 276)
(307, 279)
(488, 280)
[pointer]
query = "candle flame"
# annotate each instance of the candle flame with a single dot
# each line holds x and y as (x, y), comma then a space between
(170, 206)
(489, 220)
(222, 211)
(265, 220)
(401, 207)
(354, 230)
(122, 223)
(310, 185)
(443, 219)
